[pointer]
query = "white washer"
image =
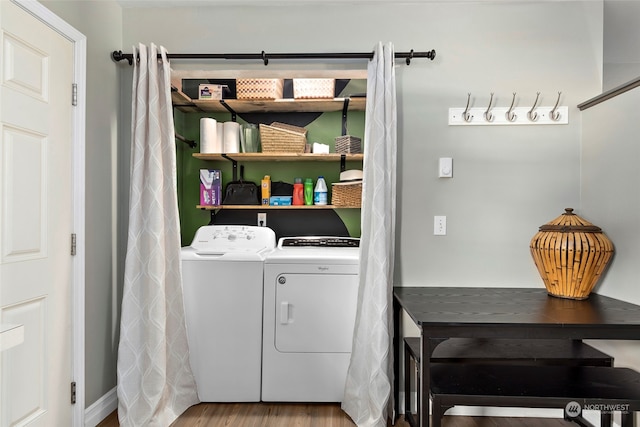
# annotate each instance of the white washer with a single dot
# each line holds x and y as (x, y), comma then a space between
(222, 274)
(310, 296)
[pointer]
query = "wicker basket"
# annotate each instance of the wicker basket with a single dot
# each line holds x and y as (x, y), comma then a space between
(282, 138)
(348, 144)
(571, 254)
(313, 88)
(346, 195)
(259, 88)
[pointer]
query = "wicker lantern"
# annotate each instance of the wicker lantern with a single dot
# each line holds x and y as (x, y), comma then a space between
(571, 254)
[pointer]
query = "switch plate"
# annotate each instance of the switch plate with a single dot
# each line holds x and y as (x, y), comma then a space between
(445, 167)
(262, 219)
(439, 225)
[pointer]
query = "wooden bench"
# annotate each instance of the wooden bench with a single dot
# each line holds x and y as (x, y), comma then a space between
(570, 388)
(503, 351)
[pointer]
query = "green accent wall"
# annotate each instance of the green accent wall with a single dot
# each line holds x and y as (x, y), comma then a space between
(323, 130)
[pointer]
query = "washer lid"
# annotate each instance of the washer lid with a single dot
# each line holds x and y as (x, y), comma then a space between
(232, 239)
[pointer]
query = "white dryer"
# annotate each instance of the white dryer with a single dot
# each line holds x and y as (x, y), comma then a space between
(310, 297)
(222, 275)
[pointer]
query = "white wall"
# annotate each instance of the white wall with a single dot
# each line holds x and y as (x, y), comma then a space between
(610, 199)
(621, 41)
(507, 180)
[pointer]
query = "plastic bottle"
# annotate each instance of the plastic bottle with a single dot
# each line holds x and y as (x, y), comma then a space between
(266, 190)
(308, 191)
(320, 192)
(298, 192)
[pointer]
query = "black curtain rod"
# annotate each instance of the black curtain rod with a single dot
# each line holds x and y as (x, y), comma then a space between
(117, 55)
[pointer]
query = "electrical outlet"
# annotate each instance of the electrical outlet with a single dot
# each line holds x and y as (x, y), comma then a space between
(262, 219)
(439, 225)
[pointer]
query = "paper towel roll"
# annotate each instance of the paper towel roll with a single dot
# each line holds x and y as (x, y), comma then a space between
(209, 136)
(231, 137)
(220, 137)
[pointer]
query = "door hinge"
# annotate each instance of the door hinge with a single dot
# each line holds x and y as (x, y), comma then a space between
(73, 243)
(73, 392)
(74, 94)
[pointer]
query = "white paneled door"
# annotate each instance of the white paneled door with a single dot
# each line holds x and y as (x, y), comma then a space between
(36, 69)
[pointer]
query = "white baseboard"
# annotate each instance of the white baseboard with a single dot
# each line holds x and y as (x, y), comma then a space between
(101, 409)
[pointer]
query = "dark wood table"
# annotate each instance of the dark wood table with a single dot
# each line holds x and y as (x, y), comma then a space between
(448, 312)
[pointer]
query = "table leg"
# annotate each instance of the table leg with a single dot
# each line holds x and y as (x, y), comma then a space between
(396, 360)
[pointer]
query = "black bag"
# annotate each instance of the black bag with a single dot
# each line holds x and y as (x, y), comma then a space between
(241, 192)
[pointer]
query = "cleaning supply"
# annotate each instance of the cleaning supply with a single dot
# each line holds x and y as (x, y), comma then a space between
(308, 191)
(298, 192)
(266, 190)
(320, 192)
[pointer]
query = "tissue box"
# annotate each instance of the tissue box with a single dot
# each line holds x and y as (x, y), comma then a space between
(209, 91)
(210, 187)
(313, 88)
(280, 200)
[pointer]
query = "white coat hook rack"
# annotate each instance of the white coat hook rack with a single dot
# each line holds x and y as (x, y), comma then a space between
(534, 114)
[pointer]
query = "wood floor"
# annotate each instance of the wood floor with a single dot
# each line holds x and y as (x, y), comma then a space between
(313, 415)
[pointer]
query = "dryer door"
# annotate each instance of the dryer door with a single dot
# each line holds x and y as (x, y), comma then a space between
(315, 313)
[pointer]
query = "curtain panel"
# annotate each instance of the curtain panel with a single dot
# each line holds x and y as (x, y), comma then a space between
(368, 391)
(155, 382)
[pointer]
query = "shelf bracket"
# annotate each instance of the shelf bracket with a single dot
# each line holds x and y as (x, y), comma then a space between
(229, 109)
(212, 219)
(234, 163)
(343, 162)
(345, 108)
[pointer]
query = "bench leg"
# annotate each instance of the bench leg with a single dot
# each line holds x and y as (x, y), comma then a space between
(627, 419)
(436, 412)
(407, 380)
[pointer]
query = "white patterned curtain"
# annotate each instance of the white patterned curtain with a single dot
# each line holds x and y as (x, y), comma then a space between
(368, 395)
(155, 382)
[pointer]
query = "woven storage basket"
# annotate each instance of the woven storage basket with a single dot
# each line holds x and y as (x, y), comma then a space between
(313, 88)
(571, 254)
(282, 138)
(346, 195)
(259, 88)
(348, 144)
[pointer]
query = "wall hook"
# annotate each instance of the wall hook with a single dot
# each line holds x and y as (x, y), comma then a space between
(510, 115)
(465, 114)
(265, 59)
(553, 114)
(488, 116)
(533, 116)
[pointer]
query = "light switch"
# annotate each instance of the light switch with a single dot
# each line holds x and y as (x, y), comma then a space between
(445, 167)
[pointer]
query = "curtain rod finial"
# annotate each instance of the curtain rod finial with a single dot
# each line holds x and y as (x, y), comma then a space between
(118, 56)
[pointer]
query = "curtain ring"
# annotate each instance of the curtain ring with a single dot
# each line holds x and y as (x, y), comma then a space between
(265, 59)
(410, 57)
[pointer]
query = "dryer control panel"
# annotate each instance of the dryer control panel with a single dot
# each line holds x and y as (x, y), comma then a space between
(320, 241)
